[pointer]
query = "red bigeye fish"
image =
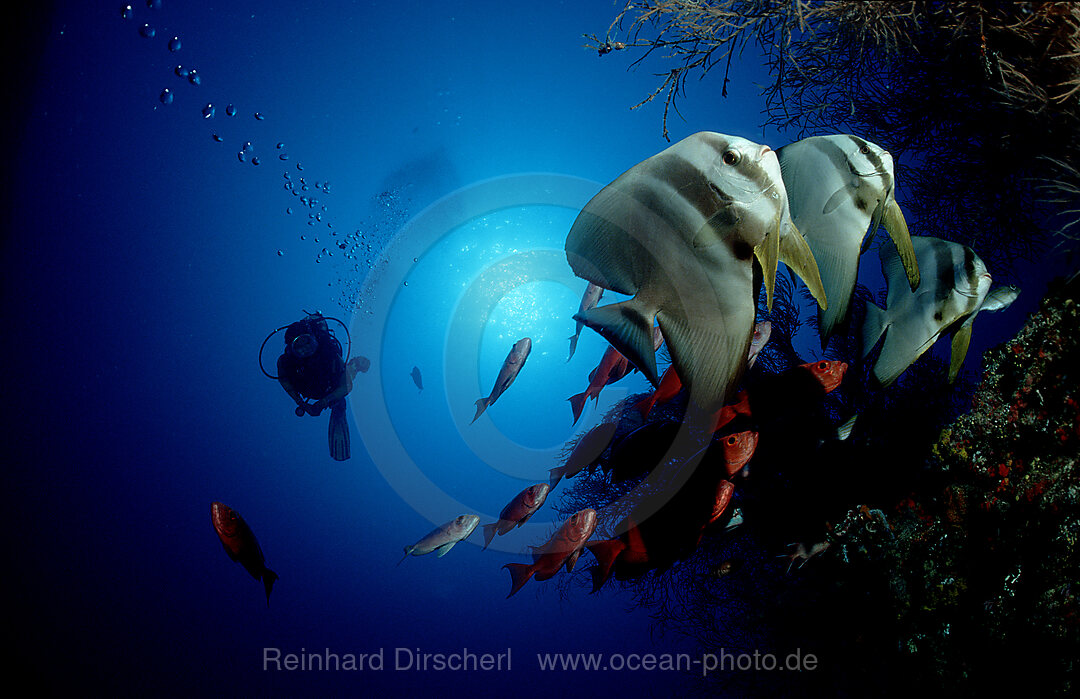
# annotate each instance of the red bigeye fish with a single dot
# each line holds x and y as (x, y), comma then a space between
(829, 373)
(589, 299)
(741, 406)
(585, 453)
(564, 548)
(241, 545)
(613, 366)
(517, 511)
(737, 449)
(509, 371)
(672, 532)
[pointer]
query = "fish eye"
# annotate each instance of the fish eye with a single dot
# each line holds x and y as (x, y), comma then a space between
(865, 150)
(732, 157)
(822, 366)
(731, 440)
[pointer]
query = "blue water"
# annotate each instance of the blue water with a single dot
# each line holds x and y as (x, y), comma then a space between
(145, 263)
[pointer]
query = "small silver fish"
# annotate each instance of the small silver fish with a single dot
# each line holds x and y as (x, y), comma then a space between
(762, 331)
(955, 287)
(837, 187)
(678, 232)
(415, 374)
(507, 373)
(589, 299)
(443, 538)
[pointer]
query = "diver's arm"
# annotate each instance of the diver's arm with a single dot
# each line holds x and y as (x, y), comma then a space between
(289, 388)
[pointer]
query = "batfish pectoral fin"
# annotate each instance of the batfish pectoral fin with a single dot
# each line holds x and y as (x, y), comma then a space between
(893, 220)
(838, 197)
(725, 218)
(628, 326)
(960, 341)
(444, 549)
(768, 254)
(796, 254)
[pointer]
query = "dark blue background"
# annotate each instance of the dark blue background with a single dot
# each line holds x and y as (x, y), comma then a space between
(141, 272)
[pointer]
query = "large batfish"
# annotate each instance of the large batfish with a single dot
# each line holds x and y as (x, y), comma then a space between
(589, 299)
(839, 188)
(955, 287)
(678, 232)
(443, 538)
(241, 545)
(507, 373)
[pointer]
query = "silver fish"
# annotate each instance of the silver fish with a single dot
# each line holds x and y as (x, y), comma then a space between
(443, 538)
(509, 371)
(838, 187)
(589, 299)
(762, 331)
(678, 232)
(955, 287)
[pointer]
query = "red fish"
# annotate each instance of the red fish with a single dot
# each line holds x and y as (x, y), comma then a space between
(669, 387)
(737, 449)
(585, 453)
(517, 511)
(829, 373)
(564, 548)
(670, 533)
(613, 366)
(240, 543)
(724, 415)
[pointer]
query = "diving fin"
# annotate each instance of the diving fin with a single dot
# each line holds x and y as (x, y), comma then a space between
(339, 432)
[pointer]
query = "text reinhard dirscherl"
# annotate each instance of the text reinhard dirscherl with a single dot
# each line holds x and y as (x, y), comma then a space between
(465, 660)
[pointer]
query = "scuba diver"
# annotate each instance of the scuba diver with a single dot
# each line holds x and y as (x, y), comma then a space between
(312, 368)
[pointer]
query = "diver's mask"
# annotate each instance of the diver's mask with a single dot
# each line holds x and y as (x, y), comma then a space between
(303, 346)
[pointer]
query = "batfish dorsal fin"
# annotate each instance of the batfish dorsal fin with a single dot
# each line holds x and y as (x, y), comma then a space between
(628, 326)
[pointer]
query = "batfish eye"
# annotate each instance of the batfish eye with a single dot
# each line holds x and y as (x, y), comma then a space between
(865, 150)
(732, 157)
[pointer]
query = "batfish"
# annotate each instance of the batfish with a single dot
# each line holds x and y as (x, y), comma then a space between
(509, 371)
(838, 187)
(955, 287)
(678, 232)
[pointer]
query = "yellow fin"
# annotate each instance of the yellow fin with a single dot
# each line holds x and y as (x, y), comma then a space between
(768, 253)
(895, 224)
(796, 254)
(960, 341)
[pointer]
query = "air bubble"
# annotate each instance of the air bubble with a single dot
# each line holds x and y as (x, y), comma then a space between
(194, 78)
(288, 210)
(174, 44)
(208, 111)
(217, 138)
(283, 156)
(181, 71)
(247, 146)
(240, 156)
(153, 4)
(280, 146)
(230, 110)
(126, 12)
(254, 160)
(299, 166)
(147, 31)
(259, 116)
(166, 96)
(280, 253)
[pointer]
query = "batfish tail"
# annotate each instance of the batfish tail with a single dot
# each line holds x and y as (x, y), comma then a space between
(481, 406)
(628, 326)
(555, 475)
(606, 552)
(519, 575)
(577, 404)
(408, 550)
(573, 345)
(490, 530)
(269, 577)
